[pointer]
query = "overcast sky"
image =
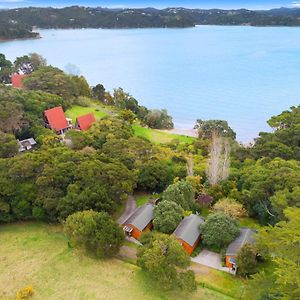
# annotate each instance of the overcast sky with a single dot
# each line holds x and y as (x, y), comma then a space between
(252, 4)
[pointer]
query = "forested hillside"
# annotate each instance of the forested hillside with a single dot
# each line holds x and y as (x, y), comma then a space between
(17, 23)
(85, 177)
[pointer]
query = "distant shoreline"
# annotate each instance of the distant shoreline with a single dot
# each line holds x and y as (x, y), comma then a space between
(21, 39)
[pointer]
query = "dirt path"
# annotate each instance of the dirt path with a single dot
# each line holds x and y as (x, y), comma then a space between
(128, 252)
(129, 209)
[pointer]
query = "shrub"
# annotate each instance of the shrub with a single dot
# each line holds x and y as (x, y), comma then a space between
(167, 216)
(25, 293)
(182, 193)
(230, 207)
(166, 262)
(219, 230)
(246, 261)
(95, 231)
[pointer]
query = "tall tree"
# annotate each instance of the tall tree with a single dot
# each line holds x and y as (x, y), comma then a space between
(95, 231)
(12, 117)
(182, 193)
(165, 260)
(282, 242)
(5, 69)
(219, 159)
(206, 129)
(167, 216)
(98, 92)
(29, 63)
(8, 145)
(219, 230)
(246, 261)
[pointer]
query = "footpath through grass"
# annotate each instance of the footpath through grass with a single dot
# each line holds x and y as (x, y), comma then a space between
(37, 254)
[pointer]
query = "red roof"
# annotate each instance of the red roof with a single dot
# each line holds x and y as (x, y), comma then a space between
(16, 80)
(56, 118)
(86, 121)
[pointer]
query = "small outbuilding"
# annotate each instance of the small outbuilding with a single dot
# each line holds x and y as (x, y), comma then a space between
(85, 122)
(140, 221)
(56, 120)
(246, 236)
(26, 145)
(17, 80)
(188, 232)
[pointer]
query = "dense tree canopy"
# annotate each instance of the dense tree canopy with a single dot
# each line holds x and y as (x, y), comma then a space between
(159, 119)
(207, 128)
(167, 216)
(259, 181)
(95, 231)
(230, 207)
(246, 260)
(55, 81)
(165, 260)
(155, 176)
(109, 128)
(282, 243)
(8, 145)
(22, 111)
(5, 69)
(53, 183)
(182, 193)
(284, 142)
(219, 230)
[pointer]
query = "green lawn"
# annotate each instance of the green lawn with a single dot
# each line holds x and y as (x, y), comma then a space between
(152, 135)
(37, 254)
(219, 281)
(249, 222)
(142, 198)
(76, 111)
(160, 137)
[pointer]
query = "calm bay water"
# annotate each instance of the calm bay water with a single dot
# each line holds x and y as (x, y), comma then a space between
(241, 74)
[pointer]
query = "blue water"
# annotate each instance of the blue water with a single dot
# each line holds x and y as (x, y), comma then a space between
(241, 74)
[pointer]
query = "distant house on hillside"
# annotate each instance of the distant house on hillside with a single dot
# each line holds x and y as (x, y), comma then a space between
(140, 221)
(55, 119)
(26, 145)
(246, 236)
(188, 232)
(85, 122)
(17, 80)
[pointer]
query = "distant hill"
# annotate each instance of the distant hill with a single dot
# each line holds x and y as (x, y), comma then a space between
(16, 23)
(13, 30)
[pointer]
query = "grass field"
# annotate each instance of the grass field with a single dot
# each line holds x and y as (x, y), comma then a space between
(76, 111)
(142, 198)
(152, 135)
(160, 137)
(37, 254)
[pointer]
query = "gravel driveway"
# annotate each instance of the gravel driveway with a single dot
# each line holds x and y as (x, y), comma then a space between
(129, 209)
(210, 259)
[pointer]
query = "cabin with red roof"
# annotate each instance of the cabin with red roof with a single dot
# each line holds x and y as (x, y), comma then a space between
(17, 80)
(85, 122)
(56, 120)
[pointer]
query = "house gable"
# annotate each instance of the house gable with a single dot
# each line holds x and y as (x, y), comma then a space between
(55, 119)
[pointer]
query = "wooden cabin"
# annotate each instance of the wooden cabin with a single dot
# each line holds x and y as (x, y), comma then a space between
(188, 232)
(56, 120)
(85, 122)
(246, 236)
(26, 145)
(140, 221)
